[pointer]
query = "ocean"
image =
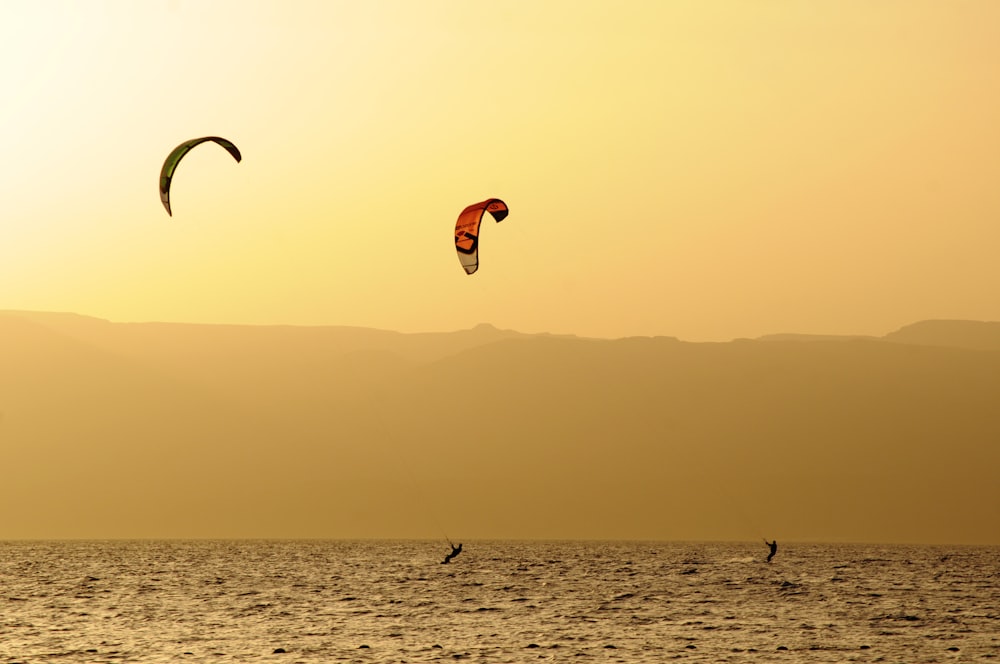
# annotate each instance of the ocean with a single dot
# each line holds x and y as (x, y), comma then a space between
(499, 601)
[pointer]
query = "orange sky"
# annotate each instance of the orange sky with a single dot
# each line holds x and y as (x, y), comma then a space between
(702, 169)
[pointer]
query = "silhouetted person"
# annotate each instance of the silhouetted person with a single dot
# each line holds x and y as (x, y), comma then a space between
(455, 550)
(774, 548)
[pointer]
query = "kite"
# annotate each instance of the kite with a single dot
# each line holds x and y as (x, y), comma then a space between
(467, 230)
(174, 158)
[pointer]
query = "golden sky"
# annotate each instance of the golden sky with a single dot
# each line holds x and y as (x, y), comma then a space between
(707, 169)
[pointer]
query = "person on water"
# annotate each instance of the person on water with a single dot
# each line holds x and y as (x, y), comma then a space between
(455, 550)
(774, 548)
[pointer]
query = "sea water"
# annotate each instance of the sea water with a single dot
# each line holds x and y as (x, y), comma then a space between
(498, 601)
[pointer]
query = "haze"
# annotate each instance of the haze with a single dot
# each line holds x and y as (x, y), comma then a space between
(701, 170)
(168, 430)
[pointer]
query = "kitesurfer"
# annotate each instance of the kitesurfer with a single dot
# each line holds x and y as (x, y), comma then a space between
(774, 548)
(455, 550)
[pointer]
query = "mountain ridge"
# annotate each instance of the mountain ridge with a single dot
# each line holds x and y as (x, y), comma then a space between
(159, 430)
(978, 335)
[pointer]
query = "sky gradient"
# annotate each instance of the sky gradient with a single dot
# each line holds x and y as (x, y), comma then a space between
(700, 169)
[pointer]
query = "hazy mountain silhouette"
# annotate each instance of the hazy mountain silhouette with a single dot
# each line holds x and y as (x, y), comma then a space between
(171, 430)
(814, 337)
(975, 334)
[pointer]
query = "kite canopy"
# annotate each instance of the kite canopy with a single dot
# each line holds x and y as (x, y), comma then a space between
(174, 158)
(467, 230)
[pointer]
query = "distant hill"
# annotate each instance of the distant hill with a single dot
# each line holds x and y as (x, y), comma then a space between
(171, 430)
(973, 335)
(815, 337)
(979, 335)
(212, 340)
